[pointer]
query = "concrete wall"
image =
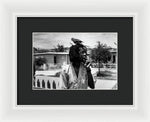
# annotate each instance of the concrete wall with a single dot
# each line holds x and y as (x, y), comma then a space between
(114, 57)
(50, 59)
(60, 59)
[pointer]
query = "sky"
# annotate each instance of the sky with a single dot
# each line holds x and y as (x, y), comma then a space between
(49, 40)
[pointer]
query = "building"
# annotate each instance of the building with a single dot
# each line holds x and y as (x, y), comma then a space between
(57, 59)
(54, 58)
(113, 58)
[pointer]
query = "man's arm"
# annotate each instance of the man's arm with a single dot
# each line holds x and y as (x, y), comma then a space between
(90, 78)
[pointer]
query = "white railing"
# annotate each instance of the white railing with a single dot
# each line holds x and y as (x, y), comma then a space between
(46, 82)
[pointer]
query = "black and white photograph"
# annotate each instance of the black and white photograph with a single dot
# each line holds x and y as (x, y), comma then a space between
(75, 60)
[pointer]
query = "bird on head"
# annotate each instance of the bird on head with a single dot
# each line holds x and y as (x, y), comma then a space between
(76, 41)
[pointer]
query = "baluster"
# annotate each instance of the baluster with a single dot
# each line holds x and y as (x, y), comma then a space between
(41, 83)
(57, 84)
(46, 87)
(34, 83)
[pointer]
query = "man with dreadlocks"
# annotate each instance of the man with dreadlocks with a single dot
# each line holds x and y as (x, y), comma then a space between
(78, 74)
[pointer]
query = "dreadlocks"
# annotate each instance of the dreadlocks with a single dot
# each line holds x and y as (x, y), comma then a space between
(74, 53)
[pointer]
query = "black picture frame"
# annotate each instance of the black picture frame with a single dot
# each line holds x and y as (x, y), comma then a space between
(122, 25)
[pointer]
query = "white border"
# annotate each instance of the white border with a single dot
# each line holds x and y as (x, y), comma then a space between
(140, 112)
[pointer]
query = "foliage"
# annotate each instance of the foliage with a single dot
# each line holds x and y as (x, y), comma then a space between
(59, 48)
(100, 54)
(40, 61)
(35, 50)
(38, 50)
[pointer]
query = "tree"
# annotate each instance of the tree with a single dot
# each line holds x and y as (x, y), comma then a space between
(59, 48)
(38, 62)
(35, 50)
(100, 55)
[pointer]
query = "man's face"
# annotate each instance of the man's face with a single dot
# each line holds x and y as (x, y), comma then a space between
(83, 54)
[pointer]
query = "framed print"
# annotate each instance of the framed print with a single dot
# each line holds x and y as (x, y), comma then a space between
(75, 60)
(21, 25)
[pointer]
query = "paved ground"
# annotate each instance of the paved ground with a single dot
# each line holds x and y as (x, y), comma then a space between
(106, 84)
(94, 70)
